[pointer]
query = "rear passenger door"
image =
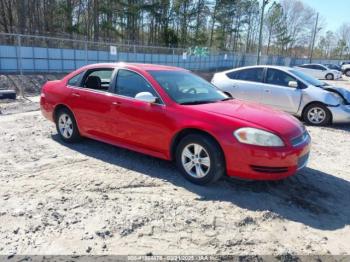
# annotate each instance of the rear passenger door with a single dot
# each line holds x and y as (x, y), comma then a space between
(91, 102)
(246, 84)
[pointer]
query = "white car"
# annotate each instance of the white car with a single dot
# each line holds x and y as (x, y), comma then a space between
(287, 89)
(346, 69)
(319, 71)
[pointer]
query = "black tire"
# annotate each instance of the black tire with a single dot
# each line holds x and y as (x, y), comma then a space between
(306, 114)
(215, 154)
(330, 76)
(347, 72)
(74, 135)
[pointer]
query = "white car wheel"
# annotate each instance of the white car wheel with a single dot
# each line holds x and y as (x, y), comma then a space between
(329, 76)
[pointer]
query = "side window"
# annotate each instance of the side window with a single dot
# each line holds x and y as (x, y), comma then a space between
(75, 80)
(97, 79)
(232, 75)
(251, 74)
(278, 77)
(320, 67)
(315, 67)
(130, 83)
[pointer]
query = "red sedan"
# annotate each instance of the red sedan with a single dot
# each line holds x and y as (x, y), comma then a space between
(172, 114)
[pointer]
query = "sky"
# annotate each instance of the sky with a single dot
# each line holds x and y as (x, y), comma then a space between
(334, 12)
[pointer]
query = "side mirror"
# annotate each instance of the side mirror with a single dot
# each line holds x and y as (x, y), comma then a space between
(293, 84)
(146, 97)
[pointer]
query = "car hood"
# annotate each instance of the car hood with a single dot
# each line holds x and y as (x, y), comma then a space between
(259, 115)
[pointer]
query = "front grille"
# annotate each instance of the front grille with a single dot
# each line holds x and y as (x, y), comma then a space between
(267, 169)
(304, 137)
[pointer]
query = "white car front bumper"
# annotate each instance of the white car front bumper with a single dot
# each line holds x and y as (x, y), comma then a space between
(340, 114)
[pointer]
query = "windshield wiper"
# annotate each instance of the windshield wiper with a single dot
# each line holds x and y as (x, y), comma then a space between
(197, 102)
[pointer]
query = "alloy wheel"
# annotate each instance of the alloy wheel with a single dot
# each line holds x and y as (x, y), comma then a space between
(316, 115)
(65, 125)
(195, 160)
(329, 77)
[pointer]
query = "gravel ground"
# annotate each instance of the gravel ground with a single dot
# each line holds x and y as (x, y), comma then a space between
(93, 198)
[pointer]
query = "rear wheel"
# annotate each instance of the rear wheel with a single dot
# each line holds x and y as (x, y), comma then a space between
(200, 159)
(66, 126)
(329, 76)
(317, 114)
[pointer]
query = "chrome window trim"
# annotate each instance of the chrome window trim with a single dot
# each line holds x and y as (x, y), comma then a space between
(110, 92)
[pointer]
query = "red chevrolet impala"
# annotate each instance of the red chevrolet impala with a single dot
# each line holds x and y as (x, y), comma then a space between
(170, 113)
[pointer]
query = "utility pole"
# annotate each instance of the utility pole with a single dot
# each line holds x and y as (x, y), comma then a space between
(313, 39)
(264, 3)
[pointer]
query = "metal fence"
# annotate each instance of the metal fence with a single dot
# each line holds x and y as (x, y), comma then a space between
(31, 54)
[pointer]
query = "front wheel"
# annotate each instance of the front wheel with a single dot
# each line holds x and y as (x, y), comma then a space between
(330, 77)
(347, 72)
(317, 114)
(66, 126)
(200, 159)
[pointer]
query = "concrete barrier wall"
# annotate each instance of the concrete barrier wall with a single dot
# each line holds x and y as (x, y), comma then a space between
(28, 59)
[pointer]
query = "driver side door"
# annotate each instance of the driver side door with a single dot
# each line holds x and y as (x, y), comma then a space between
(278, 93)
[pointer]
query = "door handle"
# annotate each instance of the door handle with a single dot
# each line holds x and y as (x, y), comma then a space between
(116, 103)
(75, 94)
(267, 90)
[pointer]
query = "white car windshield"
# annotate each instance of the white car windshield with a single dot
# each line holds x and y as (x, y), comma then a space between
(308, 79)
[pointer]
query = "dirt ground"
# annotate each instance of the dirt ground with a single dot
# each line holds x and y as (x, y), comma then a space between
(93, 198)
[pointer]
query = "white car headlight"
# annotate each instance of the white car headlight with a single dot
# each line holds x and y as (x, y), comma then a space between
(254, 136)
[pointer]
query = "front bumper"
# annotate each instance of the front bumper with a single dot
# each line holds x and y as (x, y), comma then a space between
(252, 162)
(340, 114)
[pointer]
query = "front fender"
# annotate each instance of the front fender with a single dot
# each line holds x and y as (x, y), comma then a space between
(316, 95)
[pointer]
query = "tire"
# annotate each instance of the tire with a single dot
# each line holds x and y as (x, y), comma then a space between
(317, 114)
(67, 126)
(347, 72)
(330, 77)
(208, 151)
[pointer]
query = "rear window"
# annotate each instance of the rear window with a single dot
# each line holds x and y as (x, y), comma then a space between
(250, 74)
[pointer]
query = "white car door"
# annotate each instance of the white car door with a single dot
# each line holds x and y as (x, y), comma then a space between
(244, 84)
(321, 71)
(278, 93)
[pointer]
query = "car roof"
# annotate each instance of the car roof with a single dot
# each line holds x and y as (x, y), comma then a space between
(134, 66)
(314, 64)
(259, 66)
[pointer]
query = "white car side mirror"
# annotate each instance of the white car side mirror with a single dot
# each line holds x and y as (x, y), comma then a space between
(146, 97)
(293, 84)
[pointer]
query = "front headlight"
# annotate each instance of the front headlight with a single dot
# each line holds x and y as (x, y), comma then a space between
(254, 136)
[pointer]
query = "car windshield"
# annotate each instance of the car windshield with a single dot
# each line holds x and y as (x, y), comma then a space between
(186, 88)
(309, 79)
